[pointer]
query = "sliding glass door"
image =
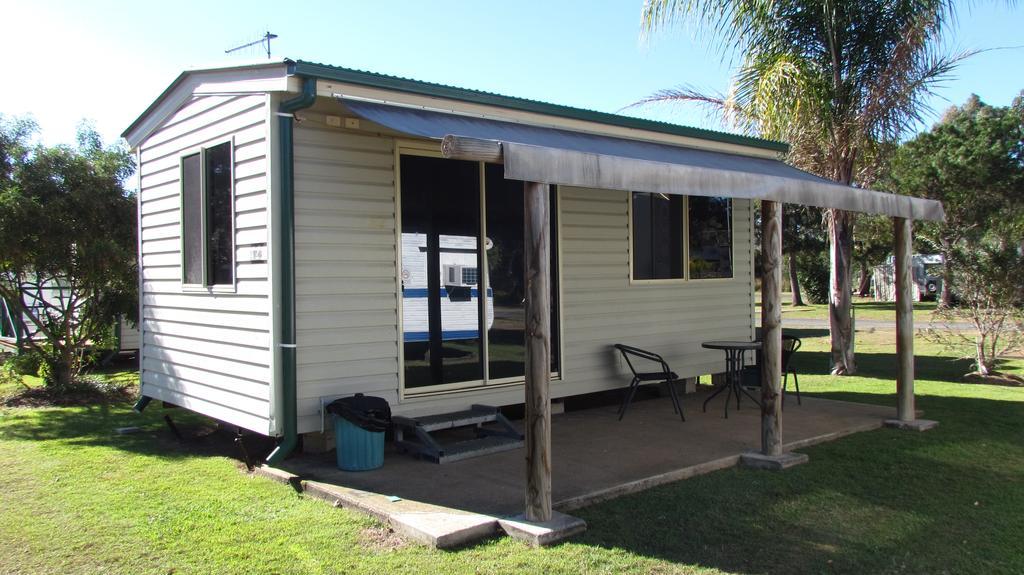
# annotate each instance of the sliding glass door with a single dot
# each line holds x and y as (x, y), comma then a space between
(463, 308)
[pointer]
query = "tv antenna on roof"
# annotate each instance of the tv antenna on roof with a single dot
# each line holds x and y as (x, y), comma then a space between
(264, 39)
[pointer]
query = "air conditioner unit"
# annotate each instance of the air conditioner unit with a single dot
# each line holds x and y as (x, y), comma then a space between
(458, 275)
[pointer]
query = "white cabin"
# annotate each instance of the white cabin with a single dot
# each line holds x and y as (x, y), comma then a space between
(302, 238)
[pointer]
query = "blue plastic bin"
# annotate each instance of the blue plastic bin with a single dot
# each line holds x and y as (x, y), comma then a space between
(357, 449)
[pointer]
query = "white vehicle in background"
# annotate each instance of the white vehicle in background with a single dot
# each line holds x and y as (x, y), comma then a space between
(927, 270)
(928, 275)
(460, 282)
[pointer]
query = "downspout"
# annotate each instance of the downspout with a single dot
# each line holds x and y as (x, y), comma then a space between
(144, 400)
(286, 221)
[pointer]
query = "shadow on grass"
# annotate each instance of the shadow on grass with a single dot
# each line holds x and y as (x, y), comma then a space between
(891, 306)
(97, 425)
(883, 365)
(948, 500)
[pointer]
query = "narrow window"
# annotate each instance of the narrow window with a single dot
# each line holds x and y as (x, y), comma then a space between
(192, 220)
(710, 237)
(657, 236)
(207, 233)
(220, 245)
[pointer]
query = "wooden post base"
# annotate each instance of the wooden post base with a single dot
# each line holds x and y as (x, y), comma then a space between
(757, 460)
(539, 533)
(912, 425)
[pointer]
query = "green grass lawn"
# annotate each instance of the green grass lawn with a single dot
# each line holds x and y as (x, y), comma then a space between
(864, 308)
(76, 498)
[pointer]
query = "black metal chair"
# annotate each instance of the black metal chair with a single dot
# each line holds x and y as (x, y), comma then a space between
(790, 345)
(665, 375)
(752, 373)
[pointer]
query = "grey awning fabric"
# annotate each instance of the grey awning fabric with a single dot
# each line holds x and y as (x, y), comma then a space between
(564, 157)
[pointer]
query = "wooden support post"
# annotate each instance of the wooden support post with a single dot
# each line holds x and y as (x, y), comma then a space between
(906, 414)
(771, 328)
(904, 320)
(537, 248)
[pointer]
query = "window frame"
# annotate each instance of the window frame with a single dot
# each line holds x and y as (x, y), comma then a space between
(206, 286)
(686, 246)
(486, 384)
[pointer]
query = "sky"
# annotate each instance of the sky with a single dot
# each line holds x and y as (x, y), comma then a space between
(105, 61)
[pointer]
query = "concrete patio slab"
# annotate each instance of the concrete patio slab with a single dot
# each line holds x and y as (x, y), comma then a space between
(439, 527)
(595, 457)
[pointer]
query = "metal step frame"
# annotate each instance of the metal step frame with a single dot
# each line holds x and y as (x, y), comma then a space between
(412, 434)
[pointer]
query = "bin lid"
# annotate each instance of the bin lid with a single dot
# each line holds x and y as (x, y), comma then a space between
(365, 411)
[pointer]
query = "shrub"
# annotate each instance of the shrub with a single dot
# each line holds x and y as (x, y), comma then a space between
(24, 363)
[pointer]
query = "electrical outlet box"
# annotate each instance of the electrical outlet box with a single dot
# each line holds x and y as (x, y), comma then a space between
(352, 123)
(333, 121)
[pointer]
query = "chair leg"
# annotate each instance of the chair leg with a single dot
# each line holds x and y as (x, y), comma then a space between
(677, 403)
(796, 384)
(629, 398)
(785, 380)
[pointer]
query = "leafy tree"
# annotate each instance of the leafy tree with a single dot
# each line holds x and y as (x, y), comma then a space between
(973, 162)
(801, 236)
(989, 277)
(67, 227)
(834, 79)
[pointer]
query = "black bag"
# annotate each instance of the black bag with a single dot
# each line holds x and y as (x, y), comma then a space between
(366, 412)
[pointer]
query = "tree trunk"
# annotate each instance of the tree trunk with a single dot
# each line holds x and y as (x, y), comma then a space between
(840, 299)
(864, 289)
(946, 295)
(794, 281)
(60, 370)
(983, 360)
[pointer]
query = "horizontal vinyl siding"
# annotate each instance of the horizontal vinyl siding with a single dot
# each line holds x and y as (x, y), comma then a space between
(345, 284)
(207, 352)
(346, 308)
(600, 307)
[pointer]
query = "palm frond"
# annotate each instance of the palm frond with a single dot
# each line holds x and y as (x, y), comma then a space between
(715, 105)
(831, 77)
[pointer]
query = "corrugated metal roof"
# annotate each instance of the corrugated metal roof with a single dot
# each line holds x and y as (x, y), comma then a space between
(384, 81)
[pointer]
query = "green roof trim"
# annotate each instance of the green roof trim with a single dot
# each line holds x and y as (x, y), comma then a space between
(375, 80)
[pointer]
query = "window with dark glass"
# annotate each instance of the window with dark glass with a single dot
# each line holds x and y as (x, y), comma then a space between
(206, 217)
(459, 324)
(657, 236)
(506, 342)
(710, 237)
(440, 231)
(192, 219)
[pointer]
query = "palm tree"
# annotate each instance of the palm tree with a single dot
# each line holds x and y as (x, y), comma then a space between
(833, 78)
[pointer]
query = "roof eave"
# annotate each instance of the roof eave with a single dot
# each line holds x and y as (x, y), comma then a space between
(251, 65)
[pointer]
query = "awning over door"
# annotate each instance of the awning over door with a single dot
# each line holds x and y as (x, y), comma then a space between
(564, 157)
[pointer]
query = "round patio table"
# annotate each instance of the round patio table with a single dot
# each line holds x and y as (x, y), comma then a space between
(735, 352)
